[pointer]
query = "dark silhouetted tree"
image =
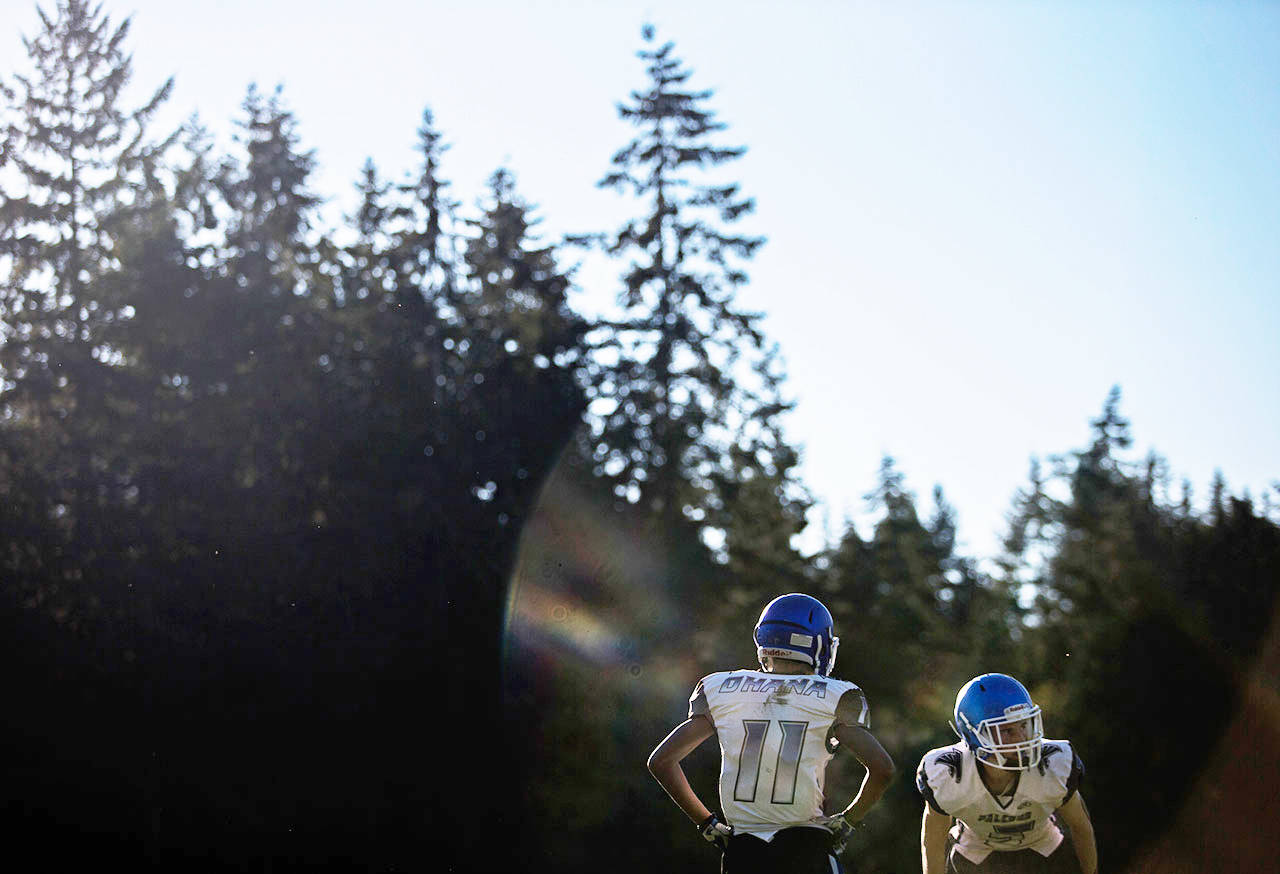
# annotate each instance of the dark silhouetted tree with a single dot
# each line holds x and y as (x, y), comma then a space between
(76, 161)
(682, 373)
(1139, 607)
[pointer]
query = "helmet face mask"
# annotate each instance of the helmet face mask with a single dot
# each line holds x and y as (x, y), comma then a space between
(1012, 742)
(797, 627)
(996, 718)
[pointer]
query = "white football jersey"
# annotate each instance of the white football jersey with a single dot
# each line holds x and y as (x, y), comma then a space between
(775, 741)
(949, 781)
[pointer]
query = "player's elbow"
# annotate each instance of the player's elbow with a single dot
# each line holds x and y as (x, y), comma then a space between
(658, 761)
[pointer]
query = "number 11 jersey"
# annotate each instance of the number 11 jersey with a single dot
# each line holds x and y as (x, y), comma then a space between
(775, 741)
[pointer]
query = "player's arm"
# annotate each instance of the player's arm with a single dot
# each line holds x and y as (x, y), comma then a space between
(1076, 816)
(664, 764)
(851, 730)
(933, 840)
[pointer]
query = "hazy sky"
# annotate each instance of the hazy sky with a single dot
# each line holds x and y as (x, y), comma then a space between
(980, 216)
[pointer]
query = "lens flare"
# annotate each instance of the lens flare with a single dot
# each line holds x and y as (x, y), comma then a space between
(590, 588)
(546, 618)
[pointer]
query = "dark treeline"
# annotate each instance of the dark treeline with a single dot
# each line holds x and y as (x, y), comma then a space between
(264, 484)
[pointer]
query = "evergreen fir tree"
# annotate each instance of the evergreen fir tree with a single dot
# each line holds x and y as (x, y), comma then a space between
(682, 373)
(77, 163)
(76, 157)
(426, 218)
(525, 341)
(268, 333)
(1131, 591)
(520, 297)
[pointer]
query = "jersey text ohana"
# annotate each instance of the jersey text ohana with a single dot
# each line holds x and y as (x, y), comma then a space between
(798, 685)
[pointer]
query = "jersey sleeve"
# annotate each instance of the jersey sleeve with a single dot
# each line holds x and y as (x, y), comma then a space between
(698, 704)
(852, 709)
(1075, 776)
(939, 773)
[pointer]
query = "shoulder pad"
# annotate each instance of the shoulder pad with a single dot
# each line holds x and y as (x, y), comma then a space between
(1056, 757)
(939, 775)
(1060, 762)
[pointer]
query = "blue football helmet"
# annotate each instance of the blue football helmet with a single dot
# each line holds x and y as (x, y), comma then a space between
(797, 627)
(997, 719)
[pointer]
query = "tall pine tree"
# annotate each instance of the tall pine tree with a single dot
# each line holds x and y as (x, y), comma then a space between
(682, 374)
(76, 161)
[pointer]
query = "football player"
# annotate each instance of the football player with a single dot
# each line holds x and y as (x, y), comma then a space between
(777, 728)
(1000, 796)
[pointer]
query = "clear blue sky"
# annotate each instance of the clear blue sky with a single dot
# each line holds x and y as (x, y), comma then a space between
(981, 216)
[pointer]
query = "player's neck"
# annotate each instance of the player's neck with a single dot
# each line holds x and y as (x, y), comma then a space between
(998, 780)
(786, 666)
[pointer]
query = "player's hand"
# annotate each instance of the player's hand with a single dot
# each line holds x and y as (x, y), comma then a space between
(714, 831)
(841, 829)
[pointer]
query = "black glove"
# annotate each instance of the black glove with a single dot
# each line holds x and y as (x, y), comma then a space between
(841, 829)
(714, 831)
